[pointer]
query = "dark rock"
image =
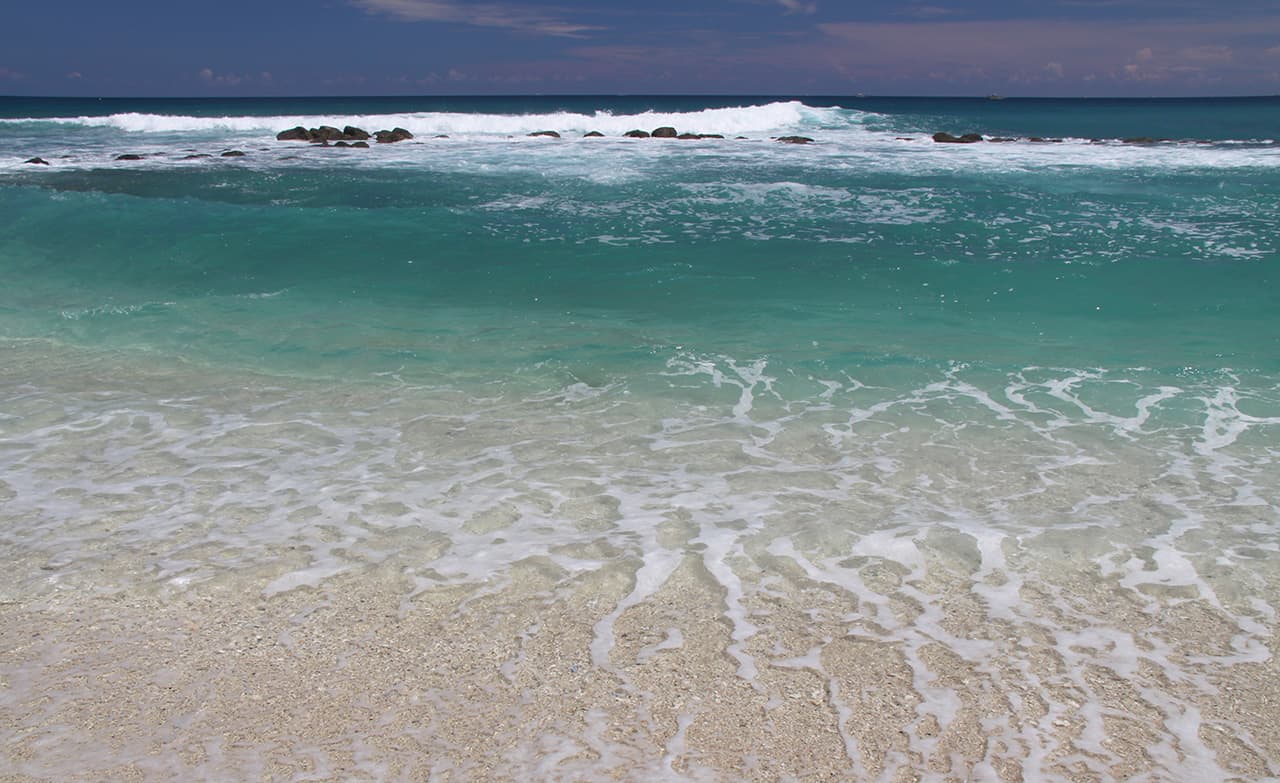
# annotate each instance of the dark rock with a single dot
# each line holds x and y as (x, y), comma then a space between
(1042, 140)
(1001, 139)
(665, 132)
(392, 136)
(903, 138)
(38, 161)
(341, 144)
(548, 134)
(795, 139)
(710, 136)
(352, 133)
(233, 154)
(688, 136)
(947, 138)
(637, 134)
(294, 134)
(441, 136)
(196, 155)
(593, 135)
(363, 144)
(129, 156)
(326, 133)
(740, 137)
(1143, 140)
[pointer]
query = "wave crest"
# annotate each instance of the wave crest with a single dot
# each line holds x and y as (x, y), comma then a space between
(771, 117)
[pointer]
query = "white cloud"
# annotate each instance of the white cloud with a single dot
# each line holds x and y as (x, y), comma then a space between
(75, 75)
(1053, 69)
(506, 17)
(208, 76)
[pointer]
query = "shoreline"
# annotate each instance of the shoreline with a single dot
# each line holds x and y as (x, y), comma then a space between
(362, 679)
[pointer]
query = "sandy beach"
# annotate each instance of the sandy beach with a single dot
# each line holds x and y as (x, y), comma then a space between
(364, 680)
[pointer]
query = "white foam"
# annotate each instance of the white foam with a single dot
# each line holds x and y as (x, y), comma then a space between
(781, 116)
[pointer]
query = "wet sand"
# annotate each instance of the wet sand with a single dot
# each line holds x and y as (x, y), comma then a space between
(362, 679)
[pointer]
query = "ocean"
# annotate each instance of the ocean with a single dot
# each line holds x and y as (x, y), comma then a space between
(490, 456)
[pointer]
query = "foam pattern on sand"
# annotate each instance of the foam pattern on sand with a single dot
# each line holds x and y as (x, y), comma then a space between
(1013, 548)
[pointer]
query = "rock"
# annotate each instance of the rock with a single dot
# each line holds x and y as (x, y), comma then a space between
(196, 155)
(710, 136)
(947, 138)
(637, 134)
(363, 144)
(548, 134)
(392, 136)
(1143, 140)
(1001, 139)
(665, 132)
(129, 156)
(341, 144)
(1041, 140)
(233, 154)
(326, 133)
(740, 137)
(593, 135)
(352, 133)
(38, 161)
(688, 136)
(441, 136)
(795, 139)
(298, 133)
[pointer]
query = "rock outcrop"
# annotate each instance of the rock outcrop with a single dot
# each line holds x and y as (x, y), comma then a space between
(37, 161)
(947, 138)
(392, 136)
(233, 154)
(548, 133)
(327, 133)
(636, 134)
(129, 156)
(665, 132)
(593, 135)
(795, 139)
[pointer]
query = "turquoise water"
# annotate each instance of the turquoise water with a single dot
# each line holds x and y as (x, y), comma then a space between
(1067, 353)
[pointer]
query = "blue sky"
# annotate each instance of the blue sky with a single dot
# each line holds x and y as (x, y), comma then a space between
(385, 47)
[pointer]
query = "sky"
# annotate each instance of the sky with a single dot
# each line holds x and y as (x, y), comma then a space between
(747, 47)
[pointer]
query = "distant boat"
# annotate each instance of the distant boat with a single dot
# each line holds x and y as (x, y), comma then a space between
(994, 97)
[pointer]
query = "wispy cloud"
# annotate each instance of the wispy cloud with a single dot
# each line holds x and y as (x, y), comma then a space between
(216, 79)
(209, 76)
(6, 73)
(1155, 51)
(507, 17)
(931, 12)
(798, 6)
